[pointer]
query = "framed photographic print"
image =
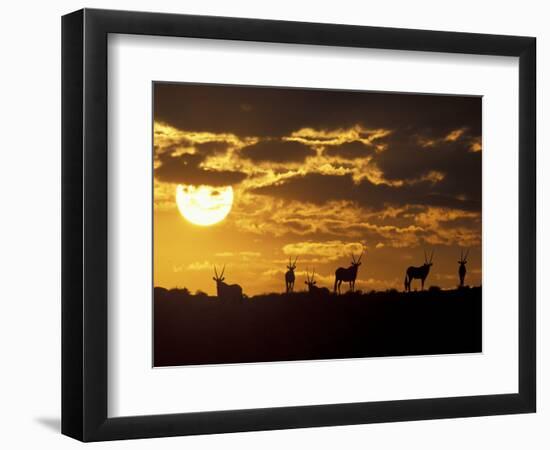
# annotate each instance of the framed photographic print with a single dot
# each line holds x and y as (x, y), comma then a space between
(274, 224)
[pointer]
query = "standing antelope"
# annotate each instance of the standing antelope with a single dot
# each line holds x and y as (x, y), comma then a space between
(229, 292)
(462, 266)
(289, 275)
(418, 272)
(348, 274)
(314, 291)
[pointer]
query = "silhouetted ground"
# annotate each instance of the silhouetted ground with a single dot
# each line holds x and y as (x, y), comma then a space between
(191, 329)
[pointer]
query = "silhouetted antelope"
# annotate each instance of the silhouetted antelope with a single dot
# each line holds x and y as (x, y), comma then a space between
(228, 292)
(462, 266)
(418, 272)
(289, 275)
(347, 274)
(314, 290)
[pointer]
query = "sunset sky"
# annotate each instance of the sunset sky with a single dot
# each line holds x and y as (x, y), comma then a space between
(316, 174)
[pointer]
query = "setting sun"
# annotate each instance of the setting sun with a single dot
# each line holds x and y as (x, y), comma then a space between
(204, 205)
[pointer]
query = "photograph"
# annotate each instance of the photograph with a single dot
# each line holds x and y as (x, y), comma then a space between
(275, 225)
(314, 224)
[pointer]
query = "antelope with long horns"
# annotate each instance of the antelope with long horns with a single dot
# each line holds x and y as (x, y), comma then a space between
(462, 266)
(227, 292)
(314, 290)
(348, 274)
(420, 273)
(290, 278)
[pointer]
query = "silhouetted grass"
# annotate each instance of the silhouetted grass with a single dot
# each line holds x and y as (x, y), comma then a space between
(191, 329)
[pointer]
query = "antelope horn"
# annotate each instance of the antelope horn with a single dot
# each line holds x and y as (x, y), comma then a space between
(466, 255)
(313, 275)
(296, 259)
(360, 256)
(431, 257)
(461, 254)
(215, 271)
(223, 270)
(352, 257)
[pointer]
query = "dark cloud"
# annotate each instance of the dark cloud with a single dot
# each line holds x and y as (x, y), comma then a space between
(461, 222)
(406, 158)
(319, 189)
(298, 226)
(272, 113)
(350, 150)
(185, 169)
(279, 111)
(276, 150)
(201, 148)
(211, 147)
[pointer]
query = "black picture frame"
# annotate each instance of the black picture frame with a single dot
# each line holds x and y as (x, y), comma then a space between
(84, 224)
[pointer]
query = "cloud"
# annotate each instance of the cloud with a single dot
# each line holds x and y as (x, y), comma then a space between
(186, 169)
(455, 155)
(446, 226)
(374, 167)
(164, 195)
(212, 147)
(475, 144)
(317, 188)
(261, 111)
(200, 265)
(225, 254)
(240, 256)
(331, 250)
(393, 226)
(351, 150)
(278, 151)
(455, 135)
(175, 140)
(250, 254)
(339, 136)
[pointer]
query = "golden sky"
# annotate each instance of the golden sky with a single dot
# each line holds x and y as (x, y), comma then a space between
(318, 175)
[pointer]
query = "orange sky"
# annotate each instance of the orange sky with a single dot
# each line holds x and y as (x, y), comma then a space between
(318, 175)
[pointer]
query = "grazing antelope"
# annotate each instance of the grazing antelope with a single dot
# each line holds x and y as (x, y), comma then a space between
(418, 272)
(348, 274)
(314, 291)
(289, 275)
(228, 292)
(462, 266)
